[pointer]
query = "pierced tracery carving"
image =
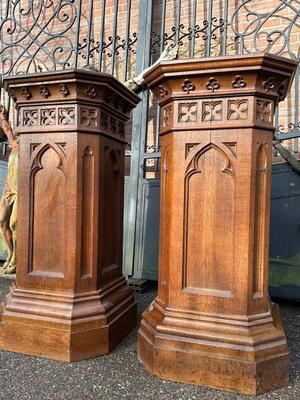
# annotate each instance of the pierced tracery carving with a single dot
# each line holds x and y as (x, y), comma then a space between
(264, 111)
(187, 112)
(66, 116)
(89, 117)
(237, 109)
(212, 111)
(30, 117)
(48, 116)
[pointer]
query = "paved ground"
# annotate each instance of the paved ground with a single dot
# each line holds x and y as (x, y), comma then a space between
(119, 375)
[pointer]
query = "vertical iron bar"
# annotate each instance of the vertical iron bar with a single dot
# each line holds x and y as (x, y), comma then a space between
(178, 17)
(209, 28)
(5, 9)
(102, 34)
(194, 20)
(163, 26)
(157, 127)
(8, 104)
(90, 22)
(139, 134)
(241, 46)
(114, 37)
(78, 33)
(161, 48)
(275, 152)
(296, 110)
(225, 32)
(127, 39)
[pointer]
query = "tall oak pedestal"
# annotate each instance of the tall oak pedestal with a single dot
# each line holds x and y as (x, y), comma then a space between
(70, 301)
(213, 323)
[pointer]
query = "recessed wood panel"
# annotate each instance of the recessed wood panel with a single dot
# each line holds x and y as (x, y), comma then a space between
(209, 223)
(259, 220)
(88, 196)
(47, 224)
(111, 211)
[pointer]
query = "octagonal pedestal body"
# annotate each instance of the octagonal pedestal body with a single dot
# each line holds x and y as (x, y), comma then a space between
(213, 323)
(70, 301)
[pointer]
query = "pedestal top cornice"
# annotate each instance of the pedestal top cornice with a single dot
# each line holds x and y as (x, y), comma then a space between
(67, 86)
(264, 74)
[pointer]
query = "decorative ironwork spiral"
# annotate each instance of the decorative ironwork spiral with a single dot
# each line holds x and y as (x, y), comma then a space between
(254, 27)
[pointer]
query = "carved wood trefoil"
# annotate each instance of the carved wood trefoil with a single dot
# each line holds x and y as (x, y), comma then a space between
(162, 91)
(239, 82)
(64, 90)
(26, 93)
(44, 91)
(269, 84)
(187, 86)
(212, 84)
(91, 91)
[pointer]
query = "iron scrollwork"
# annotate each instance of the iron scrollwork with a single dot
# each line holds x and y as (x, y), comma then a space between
(49, 35)
(37, 34)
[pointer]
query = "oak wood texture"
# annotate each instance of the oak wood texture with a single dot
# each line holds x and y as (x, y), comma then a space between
(70, 301)
(212, 322)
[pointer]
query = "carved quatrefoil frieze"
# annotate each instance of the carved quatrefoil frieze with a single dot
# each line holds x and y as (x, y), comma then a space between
(89, 117)
(167, 115)
(212, 111)
(113, 125)
(237, 109)
(66, 116)
(48, 116)
(104, 120)
(30, 118)
(121, 128)
(187, 112)
(264, 111)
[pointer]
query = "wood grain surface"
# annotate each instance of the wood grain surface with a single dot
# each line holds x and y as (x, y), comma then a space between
(213, 323)
(70, 300)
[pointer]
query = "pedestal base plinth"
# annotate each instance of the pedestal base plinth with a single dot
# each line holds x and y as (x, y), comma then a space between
(67, 328)
(246, 355)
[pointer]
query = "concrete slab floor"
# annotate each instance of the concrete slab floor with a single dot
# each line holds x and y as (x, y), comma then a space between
(120, 376)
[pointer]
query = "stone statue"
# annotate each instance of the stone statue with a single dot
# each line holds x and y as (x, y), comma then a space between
(170, 53)
(8, 202)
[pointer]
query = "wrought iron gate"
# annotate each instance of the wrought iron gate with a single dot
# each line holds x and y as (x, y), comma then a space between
(123, 37)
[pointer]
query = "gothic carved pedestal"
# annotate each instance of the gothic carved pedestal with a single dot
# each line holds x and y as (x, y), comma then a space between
(70, 300)
(213, 323)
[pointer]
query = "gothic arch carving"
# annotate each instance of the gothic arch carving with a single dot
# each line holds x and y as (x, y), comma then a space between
(209, 197)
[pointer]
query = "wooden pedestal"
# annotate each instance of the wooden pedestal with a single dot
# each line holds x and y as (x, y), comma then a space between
(70, 301)
(212, 323)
